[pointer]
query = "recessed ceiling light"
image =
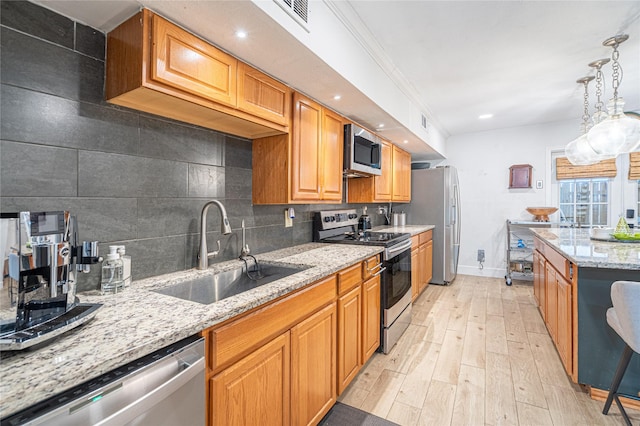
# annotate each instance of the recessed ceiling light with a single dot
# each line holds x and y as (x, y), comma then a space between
(337, 97)
(380, 126)
(485, 116)
(241, 34)
(405, 141)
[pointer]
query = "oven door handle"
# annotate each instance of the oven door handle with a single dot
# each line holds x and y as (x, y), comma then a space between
(392, 252)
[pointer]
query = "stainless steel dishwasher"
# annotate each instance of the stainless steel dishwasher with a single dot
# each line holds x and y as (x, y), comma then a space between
(166, 387)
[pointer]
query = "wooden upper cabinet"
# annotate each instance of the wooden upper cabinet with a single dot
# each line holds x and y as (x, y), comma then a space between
(394, 184)
(181, 60)
(383, 184)
(332, 154)
(305, 166)
(401, 175)
(155, 66)
(263, 96)
(306, 153)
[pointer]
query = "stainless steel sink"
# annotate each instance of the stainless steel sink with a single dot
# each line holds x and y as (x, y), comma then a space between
(212, 288)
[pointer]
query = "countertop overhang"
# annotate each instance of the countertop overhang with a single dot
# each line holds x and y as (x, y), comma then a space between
(577, 246)
(139, 321)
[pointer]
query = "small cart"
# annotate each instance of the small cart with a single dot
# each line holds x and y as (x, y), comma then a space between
(520, 249)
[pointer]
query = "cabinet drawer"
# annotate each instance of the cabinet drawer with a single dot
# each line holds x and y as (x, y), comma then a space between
(425, 236)
(371, 266)
(415, 242)
(558, 261)
(349, 278)
(234, 340)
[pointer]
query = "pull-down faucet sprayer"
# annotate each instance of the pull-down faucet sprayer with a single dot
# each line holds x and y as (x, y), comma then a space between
(225, 229)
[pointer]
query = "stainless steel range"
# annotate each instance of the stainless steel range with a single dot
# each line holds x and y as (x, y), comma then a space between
(341, 227)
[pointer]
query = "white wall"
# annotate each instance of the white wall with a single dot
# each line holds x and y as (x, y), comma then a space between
(483, 160)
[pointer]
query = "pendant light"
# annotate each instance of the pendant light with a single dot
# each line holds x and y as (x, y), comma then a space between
(617, 133)
(578, 151)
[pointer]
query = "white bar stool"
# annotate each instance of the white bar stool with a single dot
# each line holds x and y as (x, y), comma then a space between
(624, 318)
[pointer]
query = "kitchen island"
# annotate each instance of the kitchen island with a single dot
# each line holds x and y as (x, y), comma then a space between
(572, 284)
(139, 321)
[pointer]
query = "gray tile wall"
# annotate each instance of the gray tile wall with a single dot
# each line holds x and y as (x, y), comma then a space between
(131, 178)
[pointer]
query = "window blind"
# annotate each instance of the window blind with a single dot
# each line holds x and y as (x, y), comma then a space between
(634, 166)
(566, 170)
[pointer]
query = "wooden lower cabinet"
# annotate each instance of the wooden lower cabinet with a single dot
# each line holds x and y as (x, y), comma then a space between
(349, 336)
(287, 361)
(564, 333)
(551, 315)
(554, 283)
(255, 390)
(370, 318)
(415, 273)
(421, 262)
(313, 367)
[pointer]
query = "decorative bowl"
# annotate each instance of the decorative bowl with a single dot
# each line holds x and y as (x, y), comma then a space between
(541, 214)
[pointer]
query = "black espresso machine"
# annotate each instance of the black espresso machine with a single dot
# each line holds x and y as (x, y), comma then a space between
(41, 258)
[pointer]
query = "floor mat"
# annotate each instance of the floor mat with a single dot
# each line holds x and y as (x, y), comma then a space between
(346, 415)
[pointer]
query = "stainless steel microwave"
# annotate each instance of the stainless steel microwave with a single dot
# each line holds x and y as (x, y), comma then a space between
(362, 152)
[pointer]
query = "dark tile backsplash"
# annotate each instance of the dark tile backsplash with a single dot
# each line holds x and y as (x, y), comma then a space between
(131, 178)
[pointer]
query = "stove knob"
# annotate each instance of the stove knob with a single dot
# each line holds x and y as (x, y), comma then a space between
(327, 219)
(333, 218)
(352, 216)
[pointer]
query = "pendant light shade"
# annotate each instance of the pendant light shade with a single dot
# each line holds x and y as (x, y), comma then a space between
(612, 134)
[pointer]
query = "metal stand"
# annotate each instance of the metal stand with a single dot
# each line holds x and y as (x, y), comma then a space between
(520, 249)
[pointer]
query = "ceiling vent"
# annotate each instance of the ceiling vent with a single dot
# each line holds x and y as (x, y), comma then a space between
(297, 9)
(423, 122)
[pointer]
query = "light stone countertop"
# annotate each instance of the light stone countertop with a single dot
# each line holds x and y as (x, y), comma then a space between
(138, 321)
(411, 229)
(576, 245)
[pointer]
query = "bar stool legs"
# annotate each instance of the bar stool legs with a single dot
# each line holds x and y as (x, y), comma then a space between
(617, 378)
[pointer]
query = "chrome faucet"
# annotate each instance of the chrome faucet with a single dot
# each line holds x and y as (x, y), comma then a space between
(245, 247)
(225, 229)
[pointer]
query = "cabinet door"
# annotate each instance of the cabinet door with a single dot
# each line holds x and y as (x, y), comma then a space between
(313, 367)
(370, 317)
(564, 322)
(401, 175)
(415, 273)
(305, 149)
(551, 316)
(263, 96)
(422, 253)
(349, 338)
(383, 184)
(536, 277)
(256, 389)
(332, 154)
(428, 262)
(183, 61)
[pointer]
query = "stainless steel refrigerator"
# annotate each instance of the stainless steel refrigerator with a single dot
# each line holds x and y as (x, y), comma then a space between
(435, 200)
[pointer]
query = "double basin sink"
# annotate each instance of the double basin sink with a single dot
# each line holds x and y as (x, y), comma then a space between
(212, 288)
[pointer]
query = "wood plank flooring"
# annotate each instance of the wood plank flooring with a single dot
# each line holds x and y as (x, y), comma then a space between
(476, 353)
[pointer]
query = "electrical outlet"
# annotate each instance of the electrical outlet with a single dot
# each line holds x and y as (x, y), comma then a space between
(480, 255)
(288, 221)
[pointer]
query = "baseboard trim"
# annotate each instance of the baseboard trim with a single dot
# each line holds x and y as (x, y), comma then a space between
(601, 395)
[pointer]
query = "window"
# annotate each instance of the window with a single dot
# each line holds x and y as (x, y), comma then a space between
(585, 201)
(638, 209)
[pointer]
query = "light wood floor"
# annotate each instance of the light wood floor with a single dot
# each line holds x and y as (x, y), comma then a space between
(478, 353)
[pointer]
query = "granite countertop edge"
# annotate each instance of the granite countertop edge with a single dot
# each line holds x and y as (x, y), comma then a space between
(411, 229)
(576, 245)
(122, 332)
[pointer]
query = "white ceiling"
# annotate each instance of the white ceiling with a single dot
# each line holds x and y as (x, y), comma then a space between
(517, 60)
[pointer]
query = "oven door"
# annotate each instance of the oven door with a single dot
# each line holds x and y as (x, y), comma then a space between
(396, 279)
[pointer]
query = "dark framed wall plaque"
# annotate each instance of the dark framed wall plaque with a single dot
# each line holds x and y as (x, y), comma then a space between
(520, 176)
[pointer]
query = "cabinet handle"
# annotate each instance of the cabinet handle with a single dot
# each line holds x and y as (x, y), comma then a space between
(380, 271)
(378, 266)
